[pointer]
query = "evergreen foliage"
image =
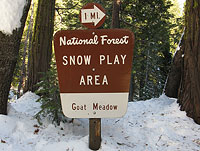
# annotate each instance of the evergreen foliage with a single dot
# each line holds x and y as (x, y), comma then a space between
(150, 22)
(50, 97)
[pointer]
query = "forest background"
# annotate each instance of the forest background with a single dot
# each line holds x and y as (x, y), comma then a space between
(157, 25)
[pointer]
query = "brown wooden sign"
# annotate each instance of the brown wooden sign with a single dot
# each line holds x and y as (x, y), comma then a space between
(94, 68)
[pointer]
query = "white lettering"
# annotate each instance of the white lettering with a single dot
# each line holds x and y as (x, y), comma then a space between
(93, 41)
(108, 60)
(116, 60)
(123, 58)
(89, 80)
(63, 41)
(96, 40)
(105, 80)
(79, 60)
(114, 41)
(112, 60)
(80, 42)
(102, 58)
(87, 59)
(77, 41)
(72, 60)
(126, 39)
(82, 81)
(103, 39)
(96, 80)
(69, 42)
(65, 59)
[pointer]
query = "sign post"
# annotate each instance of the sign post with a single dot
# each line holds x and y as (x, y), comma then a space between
(94, 68)
(94, 133)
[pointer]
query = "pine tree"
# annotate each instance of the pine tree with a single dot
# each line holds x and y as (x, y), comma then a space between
(149, 20)
(48, 91)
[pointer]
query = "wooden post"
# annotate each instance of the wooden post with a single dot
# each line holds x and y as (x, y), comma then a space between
(95, 133)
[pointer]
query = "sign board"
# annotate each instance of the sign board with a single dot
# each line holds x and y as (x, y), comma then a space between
(94, 68)
(92, 15)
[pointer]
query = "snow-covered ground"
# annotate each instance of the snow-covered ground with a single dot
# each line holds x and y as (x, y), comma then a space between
(151, 125)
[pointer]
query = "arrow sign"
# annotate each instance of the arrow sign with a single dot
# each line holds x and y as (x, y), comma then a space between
(92, 15)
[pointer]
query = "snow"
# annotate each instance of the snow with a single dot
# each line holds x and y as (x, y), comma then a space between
(152, 125)
(10, 13)
(178, 47)
(28, 101)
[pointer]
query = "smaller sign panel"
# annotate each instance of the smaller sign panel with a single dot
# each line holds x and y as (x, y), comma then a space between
(92, 15)
(94, 69)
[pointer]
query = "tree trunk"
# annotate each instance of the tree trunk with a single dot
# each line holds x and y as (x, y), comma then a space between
(29, 51)
(9, 49)
(174, 78)
(132, 88)
(41, 49)
(115, 14)
(24, 67)
(189, 91)
(116, 24)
